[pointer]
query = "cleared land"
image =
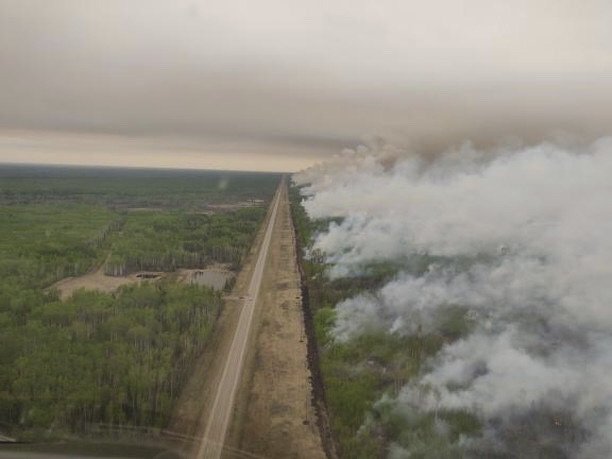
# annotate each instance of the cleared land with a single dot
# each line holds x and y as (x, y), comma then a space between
(225, 393)
(95, 280)
(214, 277)
(279, 419)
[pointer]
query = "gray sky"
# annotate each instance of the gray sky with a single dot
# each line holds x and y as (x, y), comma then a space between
(280, 84)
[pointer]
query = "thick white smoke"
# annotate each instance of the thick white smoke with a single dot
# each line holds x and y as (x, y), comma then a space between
(520, 238)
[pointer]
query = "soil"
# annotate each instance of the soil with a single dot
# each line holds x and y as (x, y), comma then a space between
(95, 280)
(214, 277)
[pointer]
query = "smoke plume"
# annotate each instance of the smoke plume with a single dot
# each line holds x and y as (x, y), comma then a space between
(520, 239)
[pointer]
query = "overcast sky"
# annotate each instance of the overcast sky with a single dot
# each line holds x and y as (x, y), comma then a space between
(278, 85)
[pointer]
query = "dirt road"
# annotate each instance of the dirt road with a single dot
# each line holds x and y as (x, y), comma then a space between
(223, 404)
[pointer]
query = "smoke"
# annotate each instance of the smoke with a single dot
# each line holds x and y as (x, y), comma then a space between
(519, 240)
(217, 83)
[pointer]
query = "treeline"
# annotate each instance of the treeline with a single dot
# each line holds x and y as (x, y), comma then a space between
(101, 238)
(118, 359)
(362, 375)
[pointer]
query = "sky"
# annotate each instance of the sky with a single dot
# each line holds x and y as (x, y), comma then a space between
(281, 85)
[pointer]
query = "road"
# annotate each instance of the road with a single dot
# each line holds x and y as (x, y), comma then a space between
(276, 415)
(221, 411)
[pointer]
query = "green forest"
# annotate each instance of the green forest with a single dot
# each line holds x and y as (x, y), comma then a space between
(363, 374)
(119, 358)
(131, 188)
(170, 240)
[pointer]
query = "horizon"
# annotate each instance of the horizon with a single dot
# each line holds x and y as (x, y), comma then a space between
(142, 168)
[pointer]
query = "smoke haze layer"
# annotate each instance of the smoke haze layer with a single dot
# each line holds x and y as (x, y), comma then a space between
(518, 238)
(279, 85)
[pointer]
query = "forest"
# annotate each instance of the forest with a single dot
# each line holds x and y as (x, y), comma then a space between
(102, 358)
(171, 240)
(362, 373)
(131, 188)
(114, 358)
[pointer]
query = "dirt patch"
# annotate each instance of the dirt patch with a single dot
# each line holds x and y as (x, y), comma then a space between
(214, 277)
(235, 205)
(92, 281)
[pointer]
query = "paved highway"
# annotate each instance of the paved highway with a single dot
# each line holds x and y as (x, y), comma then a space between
(212, 443)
